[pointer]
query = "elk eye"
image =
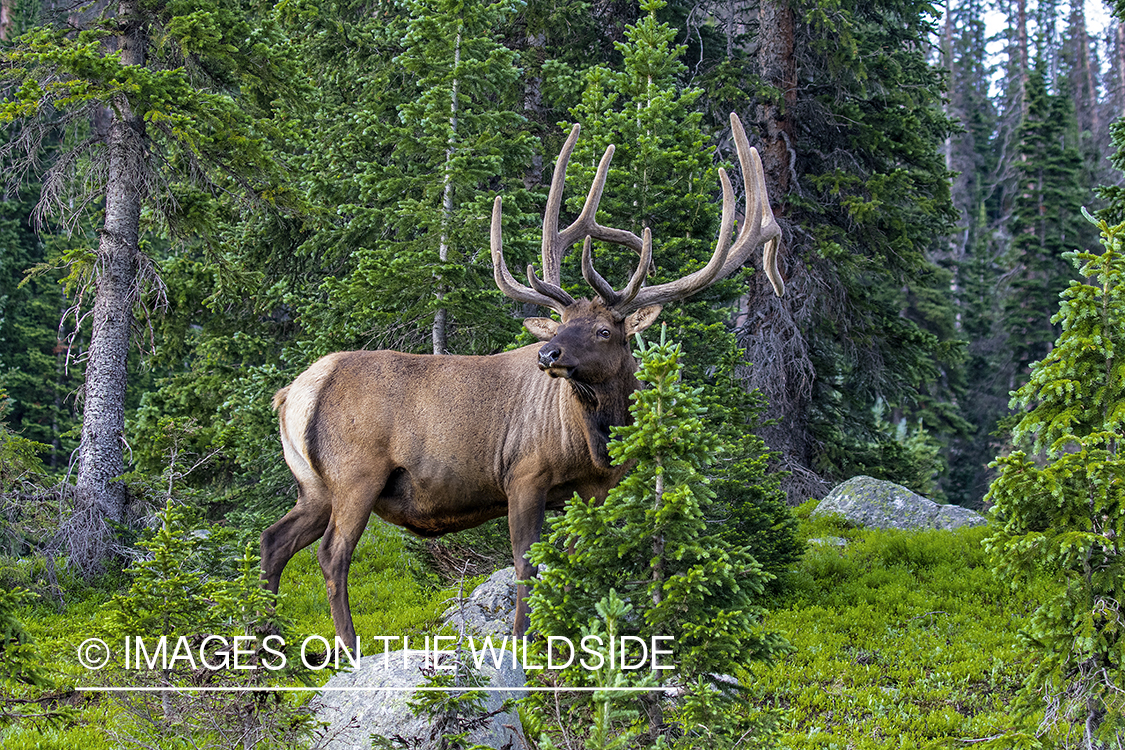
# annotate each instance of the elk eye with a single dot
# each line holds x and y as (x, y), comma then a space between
(604, 333)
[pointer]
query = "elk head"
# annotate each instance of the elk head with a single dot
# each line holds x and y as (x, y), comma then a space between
(590, 342)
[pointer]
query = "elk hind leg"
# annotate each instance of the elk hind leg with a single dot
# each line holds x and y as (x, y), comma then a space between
(345, 527)
(296, 530)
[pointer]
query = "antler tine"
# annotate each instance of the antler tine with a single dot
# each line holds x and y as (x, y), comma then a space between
(634, 285)
(552, 252)
(508, 285)
(694, 282)
(610, 297)
(555, 242)
(587, 224)
(594, 279)
(548, 289)
(758, 223)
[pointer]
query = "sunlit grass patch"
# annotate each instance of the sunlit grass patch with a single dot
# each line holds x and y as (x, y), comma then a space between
(902, 640)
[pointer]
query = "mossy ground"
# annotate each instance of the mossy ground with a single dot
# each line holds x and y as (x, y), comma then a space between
(901, 639)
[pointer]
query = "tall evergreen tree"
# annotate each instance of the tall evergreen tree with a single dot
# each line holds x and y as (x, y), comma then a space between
(442, 135)
(151, 94)
(34, 367)
(664, 178)
(663, 174)
(863, 193)
(1048, 197)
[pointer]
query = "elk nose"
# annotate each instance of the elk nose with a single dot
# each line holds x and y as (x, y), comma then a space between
(549, 355)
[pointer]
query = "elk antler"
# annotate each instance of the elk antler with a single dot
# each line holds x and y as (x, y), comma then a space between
(548, 291)
(758, 226)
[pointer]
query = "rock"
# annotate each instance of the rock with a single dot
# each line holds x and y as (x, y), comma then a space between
(874, 503)
(829, 541)
(354, 711)
(490, 609)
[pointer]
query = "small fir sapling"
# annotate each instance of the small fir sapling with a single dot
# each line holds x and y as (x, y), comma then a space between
(1060, 501)
(651, 544)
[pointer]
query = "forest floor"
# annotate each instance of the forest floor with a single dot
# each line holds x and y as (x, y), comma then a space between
(900, 640)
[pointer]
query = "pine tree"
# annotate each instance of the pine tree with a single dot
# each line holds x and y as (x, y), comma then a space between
(650, 543)
(1043, 226)
(447, 140)
(34, 367)
(169, 107)
(862, 191)
(1062, 506)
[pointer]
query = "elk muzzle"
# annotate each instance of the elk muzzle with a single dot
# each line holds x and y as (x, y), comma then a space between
(549, 355)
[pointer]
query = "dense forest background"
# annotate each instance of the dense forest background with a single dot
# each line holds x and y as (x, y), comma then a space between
(314, 176)
(205, 196)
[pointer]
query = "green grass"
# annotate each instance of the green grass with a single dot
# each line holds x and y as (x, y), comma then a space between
(902, 640)
(389, 592)
(390, 595)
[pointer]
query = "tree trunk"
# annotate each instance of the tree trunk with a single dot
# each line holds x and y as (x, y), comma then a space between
(1086, 94)
(441, 315)
(1022, 62)
(1119, 60)
(772, 330)
(777, 66)
(101, 456)
(5, 20)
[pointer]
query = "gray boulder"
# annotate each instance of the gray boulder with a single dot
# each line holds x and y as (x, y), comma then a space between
(489, 610)
(353, 707)
(875, 503)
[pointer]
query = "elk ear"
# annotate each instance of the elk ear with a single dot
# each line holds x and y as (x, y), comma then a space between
(543, 329)
(641, 319)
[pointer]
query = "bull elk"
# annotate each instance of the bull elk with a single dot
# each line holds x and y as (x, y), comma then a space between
(442, 443)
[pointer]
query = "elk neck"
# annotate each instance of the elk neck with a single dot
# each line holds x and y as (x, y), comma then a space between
(601, 406)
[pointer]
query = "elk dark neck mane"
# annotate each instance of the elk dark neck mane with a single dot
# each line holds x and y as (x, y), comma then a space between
(603, 406)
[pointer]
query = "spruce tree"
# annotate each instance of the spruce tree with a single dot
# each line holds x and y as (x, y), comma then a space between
(448, 143)
(34, 367)
(862, 194)
(1045, 223)
(1060, 501)
(663, 175)
(649, 542)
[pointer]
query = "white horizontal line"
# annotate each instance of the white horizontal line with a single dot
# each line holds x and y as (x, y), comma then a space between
(230, 689)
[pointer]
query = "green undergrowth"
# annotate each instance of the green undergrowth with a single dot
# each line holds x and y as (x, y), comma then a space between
(389, 591)
(391, 595)
(901, 640)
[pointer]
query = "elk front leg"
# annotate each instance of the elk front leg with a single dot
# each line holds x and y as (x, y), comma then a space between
(525, 524)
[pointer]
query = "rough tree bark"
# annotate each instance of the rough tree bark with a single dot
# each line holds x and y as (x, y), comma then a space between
(1119, 62)
(770, 329)
(5, 20)
(777, 66)
(1086, 100)
(1024, 66)
(101, 451)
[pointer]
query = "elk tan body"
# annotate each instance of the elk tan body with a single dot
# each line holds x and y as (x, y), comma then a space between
(441, 443)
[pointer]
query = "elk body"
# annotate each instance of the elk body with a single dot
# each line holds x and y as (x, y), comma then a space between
(441, 443)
